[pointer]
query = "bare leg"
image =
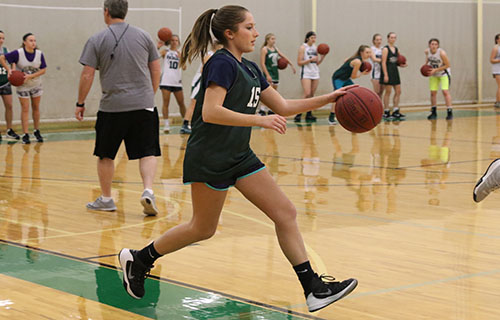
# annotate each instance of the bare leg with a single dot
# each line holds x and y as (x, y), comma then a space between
(433, 98)
(447, 98)
(397, 95)
(190, 110)
(179, 97)
(166, 101)
(261, 189)
(306, 86)
(25, 109)
(7, 102)
(207, 206)
(35, 110)
(387, 95)
(147, 168)
(497, 78)
(105, 171)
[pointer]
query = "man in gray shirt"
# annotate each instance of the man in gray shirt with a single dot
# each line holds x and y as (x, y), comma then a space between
(129, 71)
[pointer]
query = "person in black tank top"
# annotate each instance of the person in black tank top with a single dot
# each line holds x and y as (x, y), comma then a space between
(350, 69)
(390, 78)
(218, 154)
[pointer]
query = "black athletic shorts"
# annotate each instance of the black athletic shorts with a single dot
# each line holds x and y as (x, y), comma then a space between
(5, 90)
(140, 130)
(225, 185)
(171, 89)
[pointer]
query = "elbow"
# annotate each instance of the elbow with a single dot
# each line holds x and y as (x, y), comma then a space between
(207, 116)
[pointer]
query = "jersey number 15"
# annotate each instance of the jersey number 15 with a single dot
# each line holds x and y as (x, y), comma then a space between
(254, 98)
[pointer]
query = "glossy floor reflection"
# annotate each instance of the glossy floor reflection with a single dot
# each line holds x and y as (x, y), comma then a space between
(392, 207)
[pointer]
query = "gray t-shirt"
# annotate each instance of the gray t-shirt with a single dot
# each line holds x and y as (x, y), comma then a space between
(125, 78)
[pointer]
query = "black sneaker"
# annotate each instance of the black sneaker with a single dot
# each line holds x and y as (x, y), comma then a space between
(449, 114)
(310, 117)
(325, 291)
(134, 273)
(398, 116)
(297, 117)
(38, 136)
(26, 139)
(270, 112)
(12, 135)
(185, 129)
(387, 115)
(331, 119)
(432, 116)
(262, 112)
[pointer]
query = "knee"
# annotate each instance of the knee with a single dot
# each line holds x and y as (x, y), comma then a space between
(202, 232)
(286, 214)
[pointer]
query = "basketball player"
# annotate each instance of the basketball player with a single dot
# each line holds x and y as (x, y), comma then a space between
(495, 67)
(309, 70)
(171, 80)
(440, 75)
(195, 88)
(349, 70)
(218, 154)
(269, 55)
(129, 68)
(31, 61)
(6, 93)
(375, 60)
(390, 78)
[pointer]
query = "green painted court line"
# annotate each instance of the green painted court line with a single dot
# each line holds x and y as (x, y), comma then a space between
(163, 300)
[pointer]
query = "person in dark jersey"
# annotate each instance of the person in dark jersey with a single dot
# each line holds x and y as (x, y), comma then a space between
(390, 78)
(269, 56)
(6, 93)
(218, 154)
(349, 70)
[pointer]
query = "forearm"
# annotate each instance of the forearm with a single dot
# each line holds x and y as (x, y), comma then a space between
(223, 116)
(39, 73)
(84, 87)
(4, 64)
(295, 106)
(155, 71)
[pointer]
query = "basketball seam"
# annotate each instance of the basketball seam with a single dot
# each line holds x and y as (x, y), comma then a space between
(366, 107)
(352, 118)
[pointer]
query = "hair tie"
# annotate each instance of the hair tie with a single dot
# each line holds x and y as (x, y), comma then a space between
(214, 39)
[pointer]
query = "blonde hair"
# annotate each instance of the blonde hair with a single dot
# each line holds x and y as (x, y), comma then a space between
(268, 36)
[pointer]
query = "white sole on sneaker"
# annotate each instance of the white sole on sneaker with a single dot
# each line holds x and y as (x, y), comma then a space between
(315, 304)
(124, 256)
(150, 208)
(491, 168)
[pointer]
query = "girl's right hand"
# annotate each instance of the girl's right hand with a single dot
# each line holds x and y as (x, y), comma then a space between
(269, 79)
(386, 79)
(274, 122)
(314, 59)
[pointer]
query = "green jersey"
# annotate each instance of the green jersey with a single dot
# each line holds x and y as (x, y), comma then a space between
(272, 57)
(219, 152)
(3, 71)
(345, 71)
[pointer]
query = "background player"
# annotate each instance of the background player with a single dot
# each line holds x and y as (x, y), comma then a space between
(440, 75)
(375, 60)
(171, 80)
(269, 55)
(495, 67)
(390, 78)
(6, 93)
(30, 60)
(349, 70)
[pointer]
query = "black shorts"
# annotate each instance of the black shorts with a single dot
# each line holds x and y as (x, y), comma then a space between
(5, 90)
(171, 89)
(225, 185)
(140, 130)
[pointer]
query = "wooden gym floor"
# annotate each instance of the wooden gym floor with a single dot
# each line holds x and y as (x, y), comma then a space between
(392, 208)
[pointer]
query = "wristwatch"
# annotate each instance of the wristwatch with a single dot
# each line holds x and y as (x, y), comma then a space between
(80, 105)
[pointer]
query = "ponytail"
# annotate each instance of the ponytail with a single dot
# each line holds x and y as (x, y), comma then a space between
(209, 28)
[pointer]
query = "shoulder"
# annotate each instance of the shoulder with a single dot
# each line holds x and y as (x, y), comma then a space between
(253, 64)
(356, 61)
(220, 59)
(442, 52)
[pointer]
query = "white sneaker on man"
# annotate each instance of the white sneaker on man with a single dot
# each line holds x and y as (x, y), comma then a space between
(166, 126)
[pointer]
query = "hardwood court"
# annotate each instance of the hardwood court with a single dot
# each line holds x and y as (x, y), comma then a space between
(392, 207)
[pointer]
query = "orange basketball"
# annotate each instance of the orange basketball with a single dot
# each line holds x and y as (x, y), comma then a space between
(425, 70)
(365, 66)
(282, 63)
(164, 34)
(401, 59)
(16, 78)
(359, 110)
(323, 48)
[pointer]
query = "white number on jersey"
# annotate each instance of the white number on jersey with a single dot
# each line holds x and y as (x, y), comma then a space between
(254, 98)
